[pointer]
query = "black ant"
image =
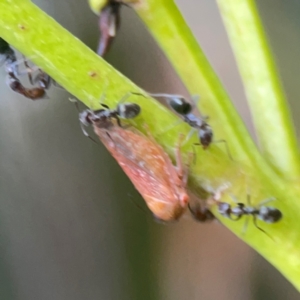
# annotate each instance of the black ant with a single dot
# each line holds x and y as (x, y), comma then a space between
(262, 212)
(101, 118)
(11, 67)
(42, 79)
(184, 108)
(34, 93)
(205, 133)
(109, 23)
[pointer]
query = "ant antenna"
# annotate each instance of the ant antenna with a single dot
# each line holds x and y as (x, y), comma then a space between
(259, 228)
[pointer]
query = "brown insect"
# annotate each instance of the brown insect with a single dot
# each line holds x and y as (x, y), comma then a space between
(8, 55)
(34, 93)
(150, 169)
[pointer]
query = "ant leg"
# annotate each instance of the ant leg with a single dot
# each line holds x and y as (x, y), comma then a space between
(102, 98)
(226, 146)
(104, 105)
(246, 224)
(134, 93)
(118, 121)
(87, 135)
(162, 95)
(259, 228)
(192, 131)
(42, 79)
(267, 201)
(29, 70)
(83, 130)
(248, 199)
(170, 127)
(194, 155)
(195, 99)
(179, 165)
(127, 95)
(75, 101)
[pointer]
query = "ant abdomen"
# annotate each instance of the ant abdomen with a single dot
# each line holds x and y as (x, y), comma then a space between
(180, 105)
(269, 214)
(128, 110)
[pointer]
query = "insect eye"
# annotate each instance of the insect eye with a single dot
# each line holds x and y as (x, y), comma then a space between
(180, 105)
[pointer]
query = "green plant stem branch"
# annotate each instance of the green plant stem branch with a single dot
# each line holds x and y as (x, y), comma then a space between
(266, 98)
(178, 43)
(86, 76)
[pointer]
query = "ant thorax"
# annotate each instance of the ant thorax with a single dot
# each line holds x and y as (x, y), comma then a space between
(100, 118)
(194, 121)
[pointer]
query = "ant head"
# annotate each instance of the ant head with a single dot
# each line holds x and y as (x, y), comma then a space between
(180, 105)
(201, 214)
(86, 117)
(128, 110)
(269, 214)
(205, 135)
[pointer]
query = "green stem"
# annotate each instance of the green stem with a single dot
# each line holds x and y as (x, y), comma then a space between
(165, 22)
(274, 127)
(86, 76)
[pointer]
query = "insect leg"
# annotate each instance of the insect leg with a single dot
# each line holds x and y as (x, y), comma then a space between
(227, 148)
(179, 166)
(192, 131)
(259, 228)
(246, 224)
(127, 95)
(267, 201)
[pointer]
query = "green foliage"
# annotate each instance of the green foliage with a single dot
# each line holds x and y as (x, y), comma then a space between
(87, 76)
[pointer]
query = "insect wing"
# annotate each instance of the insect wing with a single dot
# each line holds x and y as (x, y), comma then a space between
(149, 169)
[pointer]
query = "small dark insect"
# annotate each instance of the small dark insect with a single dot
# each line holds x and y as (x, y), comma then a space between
(184, 108)
(31, 93)
(102, 117)
(43, 80)
(205, 133)
(34, 93)
(262, 212)
(109, 23)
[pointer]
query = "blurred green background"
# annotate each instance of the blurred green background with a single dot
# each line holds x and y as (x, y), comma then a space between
(69, 224)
